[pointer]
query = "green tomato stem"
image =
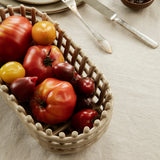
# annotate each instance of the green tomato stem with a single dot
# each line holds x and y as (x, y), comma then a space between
(48, 61)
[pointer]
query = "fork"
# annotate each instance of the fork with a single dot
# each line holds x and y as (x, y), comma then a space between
(103, 43)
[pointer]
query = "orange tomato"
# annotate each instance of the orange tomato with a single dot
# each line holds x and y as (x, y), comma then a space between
(53, 101)
(43, 33)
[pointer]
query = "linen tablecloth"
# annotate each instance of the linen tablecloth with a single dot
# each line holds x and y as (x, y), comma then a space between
(133, 72)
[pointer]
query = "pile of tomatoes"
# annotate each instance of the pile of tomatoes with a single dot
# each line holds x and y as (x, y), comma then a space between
(37, 74)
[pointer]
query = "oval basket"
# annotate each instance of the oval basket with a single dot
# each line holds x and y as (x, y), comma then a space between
(61, 138)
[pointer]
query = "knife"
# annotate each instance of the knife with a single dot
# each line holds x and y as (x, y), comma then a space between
(111, 15)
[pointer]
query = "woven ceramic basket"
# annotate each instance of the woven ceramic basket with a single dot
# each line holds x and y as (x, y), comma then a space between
(62, 139)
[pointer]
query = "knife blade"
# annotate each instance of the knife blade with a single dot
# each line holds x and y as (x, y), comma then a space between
(111, 15)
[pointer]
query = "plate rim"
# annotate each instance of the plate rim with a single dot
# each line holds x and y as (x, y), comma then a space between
(61, 6)
(38, 3)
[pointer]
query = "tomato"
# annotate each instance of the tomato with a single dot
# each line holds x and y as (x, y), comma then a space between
(53, 101)
(40, 59)
(84, 103)
(23, 88)
(11, 71)
(15, 38)
(76, 78)
(86, 86)
(64, 71)
(44, 33)
(84, 118)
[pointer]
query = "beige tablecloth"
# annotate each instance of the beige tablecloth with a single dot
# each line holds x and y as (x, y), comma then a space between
(133, 71)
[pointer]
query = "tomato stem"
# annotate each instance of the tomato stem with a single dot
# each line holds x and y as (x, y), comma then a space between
(48, 61)
(42, 104)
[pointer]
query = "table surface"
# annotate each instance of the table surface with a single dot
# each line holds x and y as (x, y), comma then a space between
(133, 71)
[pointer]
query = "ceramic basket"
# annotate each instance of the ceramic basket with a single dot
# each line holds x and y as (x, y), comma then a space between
(62, 139)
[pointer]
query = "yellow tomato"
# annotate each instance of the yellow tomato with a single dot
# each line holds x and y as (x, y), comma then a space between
(43, 33)
(11, 71)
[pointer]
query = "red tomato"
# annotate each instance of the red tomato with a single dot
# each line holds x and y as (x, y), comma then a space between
(23, 88)
(86, 86)
(53, 101)
(64, 71)
(84, 118)
(40, 59)
(15, 38)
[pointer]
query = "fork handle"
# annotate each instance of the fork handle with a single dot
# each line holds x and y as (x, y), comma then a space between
(103, 43)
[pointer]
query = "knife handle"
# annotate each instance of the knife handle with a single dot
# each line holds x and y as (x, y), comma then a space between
(137, 33)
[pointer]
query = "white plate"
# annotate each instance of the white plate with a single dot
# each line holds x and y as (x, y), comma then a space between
(48, 8)
(38, 1)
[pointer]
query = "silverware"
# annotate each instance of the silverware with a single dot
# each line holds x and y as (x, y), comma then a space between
(111, 15)
(103, 43)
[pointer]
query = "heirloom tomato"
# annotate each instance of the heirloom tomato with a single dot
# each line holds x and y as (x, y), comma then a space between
(64, 71)
(11, 71)
(43, 33)
(84, 118)
(53, 101)
(23, 88)
(84, 103)
(40, 59)
(86, 86)
(15, 38)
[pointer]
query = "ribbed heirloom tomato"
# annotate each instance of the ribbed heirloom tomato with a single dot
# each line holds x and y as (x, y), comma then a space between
(40, 59)
(53, 101)
(15, 38)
